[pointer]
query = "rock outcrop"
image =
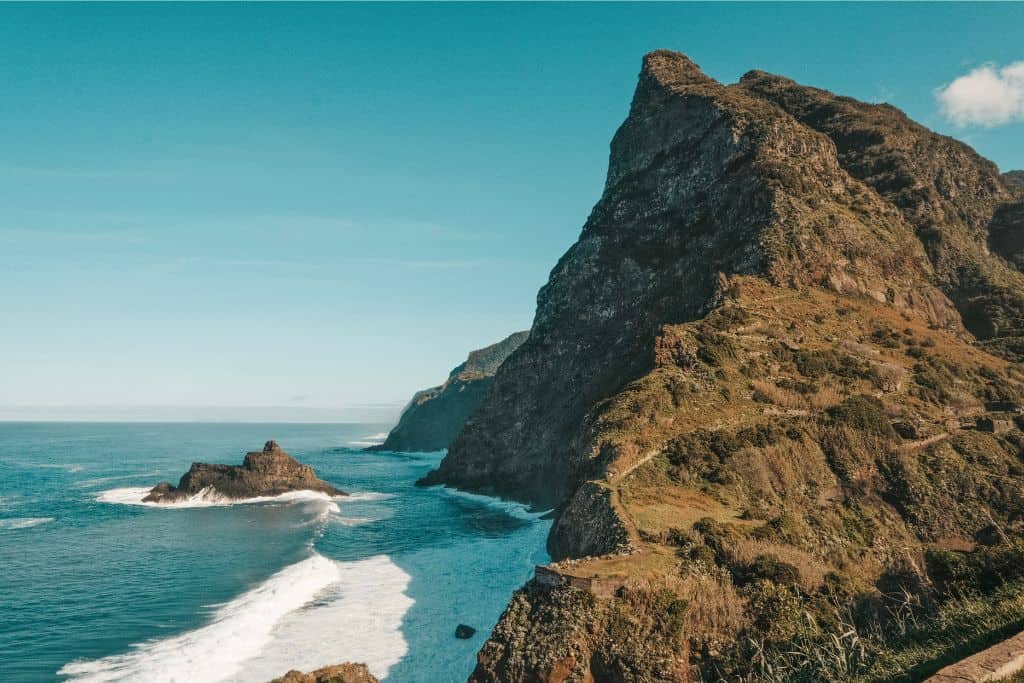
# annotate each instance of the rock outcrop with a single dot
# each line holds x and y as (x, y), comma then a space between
(435, 416)
(772, 277)
(341, 673)
(944, 189)
(269, 472)
(1015, 179)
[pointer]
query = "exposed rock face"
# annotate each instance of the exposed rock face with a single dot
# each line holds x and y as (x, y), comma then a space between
(703, 179)
(771, 278)
(434, 416)
(269, 472)
(1015, 179)
(948, 192)
(590, 524)
(341, 673)
(1006, 233)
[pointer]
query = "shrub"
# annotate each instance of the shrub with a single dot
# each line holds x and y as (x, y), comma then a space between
(864, 414)
(768, 568)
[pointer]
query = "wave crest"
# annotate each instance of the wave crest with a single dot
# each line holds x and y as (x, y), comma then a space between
(209, 497)
(310, 614)
(23, 522)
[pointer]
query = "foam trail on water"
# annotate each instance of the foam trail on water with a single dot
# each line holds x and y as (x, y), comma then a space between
(367, 495)
(312, 613)
(209, 497)
(371, 440)
(509, 507)
(358, 619)
(23, 522)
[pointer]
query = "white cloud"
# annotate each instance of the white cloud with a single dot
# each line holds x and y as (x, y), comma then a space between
(987, 96)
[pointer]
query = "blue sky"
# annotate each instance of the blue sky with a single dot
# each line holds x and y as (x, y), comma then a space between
(309, 211)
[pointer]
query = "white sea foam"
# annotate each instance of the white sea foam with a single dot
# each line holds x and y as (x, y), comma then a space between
(367, 496)
(67, 467)
(358, 618)
(310, 614)
(209, 497)
(512, 508)
(371, 440)
(23, 522)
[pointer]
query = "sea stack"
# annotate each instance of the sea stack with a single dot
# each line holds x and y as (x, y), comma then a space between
(269, 472)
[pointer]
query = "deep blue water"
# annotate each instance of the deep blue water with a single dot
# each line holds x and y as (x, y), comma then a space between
(100, 589)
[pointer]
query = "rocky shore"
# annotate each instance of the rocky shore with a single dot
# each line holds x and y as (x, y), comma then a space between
(269, 472)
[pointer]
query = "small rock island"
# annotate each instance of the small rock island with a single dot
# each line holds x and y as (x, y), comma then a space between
(269, 472)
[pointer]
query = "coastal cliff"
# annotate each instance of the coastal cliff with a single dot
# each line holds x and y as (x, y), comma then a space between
(434, 416)
(269, 472)
(773, 384)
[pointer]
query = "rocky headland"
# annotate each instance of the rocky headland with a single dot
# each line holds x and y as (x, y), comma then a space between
(773, 393)
(435, 416)
(269, 472)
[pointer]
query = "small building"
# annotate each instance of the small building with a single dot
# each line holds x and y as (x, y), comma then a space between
(995, 425)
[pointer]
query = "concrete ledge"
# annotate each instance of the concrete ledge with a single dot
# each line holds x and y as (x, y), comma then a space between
(993, 664)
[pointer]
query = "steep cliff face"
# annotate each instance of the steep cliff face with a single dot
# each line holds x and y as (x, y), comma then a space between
(949, 193)
(751, 394)
(1015, 179)
(703, 179)
(434, 416)
(1006, 233)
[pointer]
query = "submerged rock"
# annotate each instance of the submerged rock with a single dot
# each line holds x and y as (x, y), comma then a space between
(464, 632)
(269, 472)
(341, 673)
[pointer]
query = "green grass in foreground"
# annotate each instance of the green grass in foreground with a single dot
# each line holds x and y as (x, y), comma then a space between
(962, 627)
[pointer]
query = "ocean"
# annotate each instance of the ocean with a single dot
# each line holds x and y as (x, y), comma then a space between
(95, 586)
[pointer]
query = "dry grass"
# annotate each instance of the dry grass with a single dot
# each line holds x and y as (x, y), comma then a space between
(858, 349)
(715, 612)
(662, 506)
(812, 571)
(783, 471)
(826, 397)
(766, 392)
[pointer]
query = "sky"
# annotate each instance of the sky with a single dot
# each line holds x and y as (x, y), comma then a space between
(307, 212)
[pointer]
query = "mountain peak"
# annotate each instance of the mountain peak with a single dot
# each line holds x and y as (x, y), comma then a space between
(672, 69)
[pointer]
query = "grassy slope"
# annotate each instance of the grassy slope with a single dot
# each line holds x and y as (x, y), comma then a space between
(760, 451)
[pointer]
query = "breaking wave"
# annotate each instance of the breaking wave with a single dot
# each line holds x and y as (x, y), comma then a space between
(509, 507)
(23, 522)
(310, 614)
(371, 440)
(209, 497)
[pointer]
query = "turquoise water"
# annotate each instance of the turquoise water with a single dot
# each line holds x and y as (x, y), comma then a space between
(96, 587)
